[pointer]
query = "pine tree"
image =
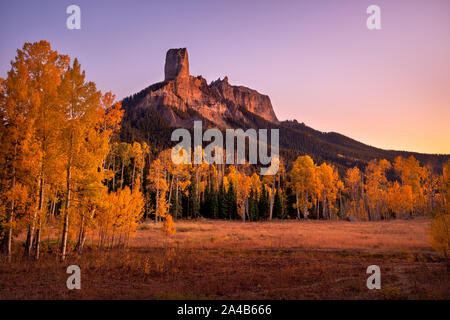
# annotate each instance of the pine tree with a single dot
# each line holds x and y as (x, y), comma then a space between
(253, 209)
(232, 202)
(192, 203)
(263, 205)
(277, 206)
(214, 204)
(222, 203)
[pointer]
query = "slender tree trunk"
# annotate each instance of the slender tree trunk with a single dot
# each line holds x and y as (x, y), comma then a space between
(324, 213)
(305, 208)
(170, 189)
(52, 208)
(30, 234)
(38, 231)
(113, 238)
(297, 205)
(114, 173)
(66, 214)
(197, 190)
(157, 195)
(176, 200)
(132, 178)
(246, 209)
(37, 242)
(272, 199)
(317, 208)
(78, 246)
(83, 241)
(11, 213)
(121, 177)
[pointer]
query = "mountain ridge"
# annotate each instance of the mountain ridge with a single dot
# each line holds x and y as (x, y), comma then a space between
(179, 100)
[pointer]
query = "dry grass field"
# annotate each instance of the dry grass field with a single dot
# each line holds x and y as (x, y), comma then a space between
(209, 259)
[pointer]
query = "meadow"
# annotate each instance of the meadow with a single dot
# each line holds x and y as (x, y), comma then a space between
(211, 259)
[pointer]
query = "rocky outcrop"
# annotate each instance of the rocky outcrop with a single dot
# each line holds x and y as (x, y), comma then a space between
(218, 102)
(250, 99)
(177, 64)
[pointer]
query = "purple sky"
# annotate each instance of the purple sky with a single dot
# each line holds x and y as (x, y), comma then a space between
(316, 59)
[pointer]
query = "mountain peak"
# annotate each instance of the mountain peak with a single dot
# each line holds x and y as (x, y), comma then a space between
(219, 102)
(177, 64)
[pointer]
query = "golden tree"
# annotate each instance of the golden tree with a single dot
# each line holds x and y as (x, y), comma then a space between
(303, 181)
(376, 188)
(400, 199)
(328, 178)
(181, 174)
(355, 188)
(412, 174)
(83, 142)
(28, 103)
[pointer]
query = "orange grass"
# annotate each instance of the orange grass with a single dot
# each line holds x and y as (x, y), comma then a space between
(233, 260)
(392, 236)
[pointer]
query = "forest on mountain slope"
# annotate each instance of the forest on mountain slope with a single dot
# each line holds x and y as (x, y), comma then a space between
(149, 125)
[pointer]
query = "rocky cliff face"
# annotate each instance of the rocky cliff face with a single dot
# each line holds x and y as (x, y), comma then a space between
(250, 99)
(219, 102)
(177, 64)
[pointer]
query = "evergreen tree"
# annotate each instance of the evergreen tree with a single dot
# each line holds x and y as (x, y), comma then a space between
(192, 204)
(263, 205)
(253, 209)
(222, 203)
(290, 203)
(214, 205)
(205, 205)
(277, 206)
(209, 206)
(232, 202)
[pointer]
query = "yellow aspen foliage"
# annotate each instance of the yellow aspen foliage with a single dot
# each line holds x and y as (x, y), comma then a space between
(376, 188)
(30, 116)
(304, 182)
(400, 199)
(439, 232)
(269, 182)
(243, 187)
(328, 178)
(119, 216)
(111, 112)
(181, 180)
(445, 188)
(169, 226)
(355, 188)
(158, 179)
(412, 174)
(256, 183)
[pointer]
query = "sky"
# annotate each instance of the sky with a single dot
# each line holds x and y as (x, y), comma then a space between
(317, 60)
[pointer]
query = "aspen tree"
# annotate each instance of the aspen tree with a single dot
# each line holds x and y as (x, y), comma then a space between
(81, 103)
(303, 181)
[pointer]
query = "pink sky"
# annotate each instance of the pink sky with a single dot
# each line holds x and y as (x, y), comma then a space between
(316, 59)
